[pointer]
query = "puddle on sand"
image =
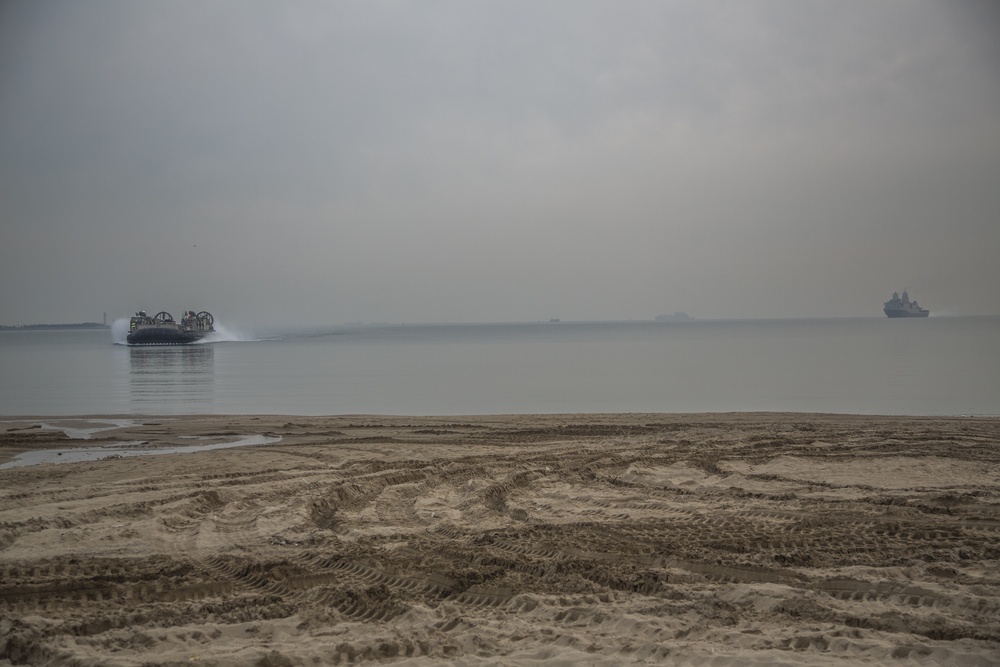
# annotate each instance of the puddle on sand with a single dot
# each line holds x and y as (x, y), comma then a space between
(76, 428)
(81, 428)
(124, 449)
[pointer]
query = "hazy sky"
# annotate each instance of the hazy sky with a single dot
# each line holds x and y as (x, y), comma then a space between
(327, 162)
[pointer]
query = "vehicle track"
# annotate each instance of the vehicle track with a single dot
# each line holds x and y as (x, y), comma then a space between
(621, 538)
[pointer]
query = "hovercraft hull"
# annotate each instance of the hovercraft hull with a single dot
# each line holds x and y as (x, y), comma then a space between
(163, 336)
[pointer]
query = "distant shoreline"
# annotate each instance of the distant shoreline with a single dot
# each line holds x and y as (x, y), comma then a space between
(37, 327)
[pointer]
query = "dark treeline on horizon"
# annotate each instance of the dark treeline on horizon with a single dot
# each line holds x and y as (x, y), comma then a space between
(80, 325)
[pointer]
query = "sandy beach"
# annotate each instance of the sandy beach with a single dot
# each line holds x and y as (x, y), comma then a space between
(713, 539)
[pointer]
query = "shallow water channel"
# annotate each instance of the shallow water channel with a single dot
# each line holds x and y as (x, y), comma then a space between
(122, 449)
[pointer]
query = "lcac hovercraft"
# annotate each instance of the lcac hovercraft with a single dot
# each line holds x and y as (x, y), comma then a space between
(161, 329)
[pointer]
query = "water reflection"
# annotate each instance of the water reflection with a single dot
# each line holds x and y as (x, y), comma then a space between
(183, 375)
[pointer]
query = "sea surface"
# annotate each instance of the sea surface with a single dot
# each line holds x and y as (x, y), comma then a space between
(933, 366)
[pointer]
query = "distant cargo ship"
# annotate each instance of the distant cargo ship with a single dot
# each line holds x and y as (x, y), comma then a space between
(161, 329)
(675, 317)
(903, 307)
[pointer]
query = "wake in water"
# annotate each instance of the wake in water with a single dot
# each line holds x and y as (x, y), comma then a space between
(119, 332)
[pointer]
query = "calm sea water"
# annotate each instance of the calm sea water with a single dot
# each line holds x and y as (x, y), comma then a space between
(935, 366)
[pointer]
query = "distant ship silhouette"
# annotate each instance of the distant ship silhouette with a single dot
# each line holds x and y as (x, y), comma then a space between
(903, 307)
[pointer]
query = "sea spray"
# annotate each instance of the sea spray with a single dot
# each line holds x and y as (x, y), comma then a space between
(119, 330)
(224, 335)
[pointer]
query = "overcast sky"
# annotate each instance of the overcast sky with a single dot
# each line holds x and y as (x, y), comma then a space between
(327, 162)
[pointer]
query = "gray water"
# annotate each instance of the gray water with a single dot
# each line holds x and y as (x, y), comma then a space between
(122, 450)
(934, 366)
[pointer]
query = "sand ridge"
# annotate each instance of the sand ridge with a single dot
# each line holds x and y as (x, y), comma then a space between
(721, 539)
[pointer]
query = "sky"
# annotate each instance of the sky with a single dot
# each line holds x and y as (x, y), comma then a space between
(452, 161)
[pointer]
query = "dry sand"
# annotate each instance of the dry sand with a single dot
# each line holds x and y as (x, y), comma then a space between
(517, 540)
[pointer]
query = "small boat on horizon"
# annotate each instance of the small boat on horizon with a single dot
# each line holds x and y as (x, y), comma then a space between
(161, 329)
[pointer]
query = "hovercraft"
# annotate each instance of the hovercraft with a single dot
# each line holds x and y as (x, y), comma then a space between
(162, 329)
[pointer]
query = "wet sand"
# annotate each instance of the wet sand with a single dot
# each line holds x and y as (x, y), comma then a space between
(721, 539)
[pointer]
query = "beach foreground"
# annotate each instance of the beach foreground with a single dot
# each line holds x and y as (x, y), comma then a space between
(722, 539)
